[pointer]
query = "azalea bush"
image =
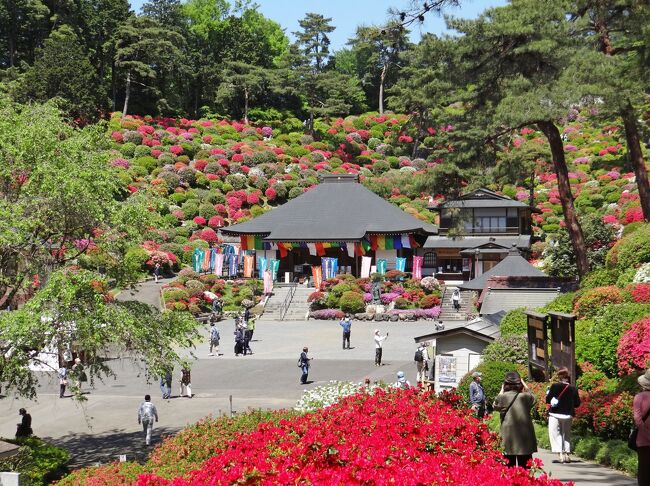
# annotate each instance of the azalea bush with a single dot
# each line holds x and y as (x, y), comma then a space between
(634, 348)
(329, 394)
(591, 301)
(400, 435)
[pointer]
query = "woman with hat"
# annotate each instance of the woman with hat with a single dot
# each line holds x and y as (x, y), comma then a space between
(564, 399)
(402, 382)
(641, 407)
(514, 403)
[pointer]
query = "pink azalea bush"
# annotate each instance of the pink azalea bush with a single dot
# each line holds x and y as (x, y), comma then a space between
(634, 348)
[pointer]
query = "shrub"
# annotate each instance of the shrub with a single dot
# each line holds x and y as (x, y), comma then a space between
(562, 303)
(593, 300)
(632, 250)
(492, 379)
(352, 302)
(515, 322)
(511, 349)
(641, 293)
(402, 303)
(429, 301)
(37, 461)
(634, 348)
(327, 314)
(600, 278)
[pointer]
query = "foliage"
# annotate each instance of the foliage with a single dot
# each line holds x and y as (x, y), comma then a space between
(599, 277)
(352, 302)
(74, 311)
(631, 250)
(329, 394)
(492, 379)
(592, 301)
(38, 462)
(304, 446)
(633, 350)
(514, 323)
(511, 349)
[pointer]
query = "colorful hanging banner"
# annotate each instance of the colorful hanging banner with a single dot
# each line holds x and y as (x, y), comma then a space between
(218, 264)
(274, 265)
(251, 242)
(249, 264)
(213, 258)
(330, 267)
(206, 261)
(262, 263)
(317, 275)
(197, 259)
(400, 264)
(406, 241)
(233, 264)
(417, 266)
(365, 266)
(397, 242)
(268, 281)
(381, 266)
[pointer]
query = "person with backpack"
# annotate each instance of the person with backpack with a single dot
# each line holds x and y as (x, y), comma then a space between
(346, 324)
(146, 414)
(421, 359)
(402, 383)
(214, 339)
(240, 338)
(166, 384)
(477, 395)
(564, 399)
(304, 363)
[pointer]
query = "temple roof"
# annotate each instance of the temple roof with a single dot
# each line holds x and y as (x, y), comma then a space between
(482, 198)
(338, 209)
(512, 265)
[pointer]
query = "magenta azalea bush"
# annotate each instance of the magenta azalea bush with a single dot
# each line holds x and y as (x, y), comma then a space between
(634, 348)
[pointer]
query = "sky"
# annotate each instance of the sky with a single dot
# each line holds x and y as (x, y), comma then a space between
(348, 14)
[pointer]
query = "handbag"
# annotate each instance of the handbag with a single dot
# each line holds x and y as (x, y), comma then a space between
(631, 440)
(556, 400)
(503, 414)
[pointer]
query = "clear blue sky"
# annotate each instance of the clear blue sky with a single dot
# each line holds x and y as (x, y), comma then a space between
(348, 14)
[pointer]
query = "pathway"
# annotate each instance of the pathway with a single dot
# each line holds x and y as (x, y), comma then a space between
(583, 472)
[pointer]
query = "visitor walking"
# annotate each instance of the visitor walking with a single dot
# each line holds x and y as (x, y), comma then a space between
(402, 382)
(247, 315)
(166, 384)
(79, 374)
(304, 363)
(217, 305)
(214, 338)
(250, 328)
(641, 407)
(146, 414)
(239, 341)
(477, 395)
(421, 359)
(564, 399)
(379, 342)
(63, 380)
(186, 383)
(24, 428)
(248, 334)
(346, 324)
(455, 299)
(514, 404)
(156, 272)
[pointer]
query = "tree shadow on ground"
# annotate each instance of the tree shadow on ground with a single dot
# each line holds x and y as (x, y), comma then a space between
(90, 449)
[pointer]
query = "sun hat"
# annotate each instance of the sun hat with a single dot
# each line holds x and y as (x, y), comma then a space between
(476, 374)
(401, 377)
(512, 378)
(644, 380)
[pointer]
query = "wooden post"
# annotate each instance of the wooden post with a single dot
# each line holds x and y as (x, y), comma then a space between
(563, 348)
(537, 346)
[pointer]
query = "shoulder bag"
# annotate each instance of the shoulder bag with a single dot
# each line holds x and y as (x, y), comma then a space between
(631, 440)
(503, 414)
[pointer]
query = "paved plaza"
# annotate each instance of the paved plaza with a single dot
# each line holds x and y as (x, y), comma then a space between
(105, 426)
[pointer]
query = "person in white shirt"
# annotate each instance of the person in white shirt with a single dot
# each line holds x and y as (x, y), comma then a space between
(421, 363)
(146, 414)
(379, 340)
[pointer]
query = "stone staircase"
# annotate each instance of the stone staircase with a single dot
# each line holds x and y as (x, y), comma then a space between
(447, 311)
(298, 307)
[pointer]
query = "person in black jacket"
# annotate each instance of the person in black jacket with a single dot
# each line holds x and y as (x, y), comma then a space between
(564, 399)
(25, 426)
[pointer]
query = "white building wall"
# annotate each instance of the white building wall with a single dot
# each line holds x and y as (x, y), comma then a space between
(467, 352)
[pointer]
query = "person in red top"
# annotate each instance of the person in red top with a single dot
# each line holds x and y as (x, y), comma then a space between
(641, 407)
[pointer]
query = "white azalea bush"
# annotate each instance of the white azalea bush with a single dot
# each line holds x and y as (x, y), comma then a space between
(642, 274)
(331, 393)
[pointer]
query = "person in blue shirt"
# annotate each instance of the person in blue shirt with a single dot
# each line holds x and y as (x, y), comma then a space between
(477, 395)
(346, 324)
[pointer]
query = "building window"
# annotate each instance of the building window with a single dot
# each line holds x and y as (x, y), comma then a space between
(429, 260)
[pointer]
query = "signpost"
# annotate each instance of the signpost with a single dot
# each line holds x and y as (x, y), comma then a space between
(537, 346)
(563, 330)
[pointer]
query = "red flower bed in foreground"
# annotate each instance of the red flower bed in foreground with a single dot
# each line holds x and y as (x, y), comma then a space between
(398, 437)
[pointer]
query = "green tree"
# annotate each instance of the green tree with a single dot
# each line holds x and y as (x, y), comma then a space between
(55, 189)
(62, 69)
(314, 40)
(518, 56)
(74, 312)
(20, 23)
(145, 50)
(243, 82)
(166, 12)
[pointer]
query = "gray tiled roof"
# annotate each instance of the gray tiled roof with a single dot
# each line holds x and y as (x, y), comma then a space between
(482, 198)
(514, 265)
(485, 327)
(522, 241)
(338, 209)
(496, 300)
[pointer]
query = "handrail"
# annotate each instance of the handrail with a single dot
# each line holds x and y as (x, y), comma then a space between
(287, 300)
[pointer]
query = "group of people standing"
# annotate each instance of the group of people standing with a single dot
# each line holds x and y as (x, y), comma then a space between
(244, 330)
(76, 373)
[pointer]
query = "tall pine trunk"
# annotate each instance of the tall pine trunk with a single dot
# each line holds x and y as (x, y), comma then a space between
(636, 157)
(246, 105)
(566, 197)
(382, 79)
(127, 93)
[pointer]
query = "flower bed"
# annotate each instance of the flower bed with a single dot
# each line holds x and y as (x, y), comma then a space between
(400, 435)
